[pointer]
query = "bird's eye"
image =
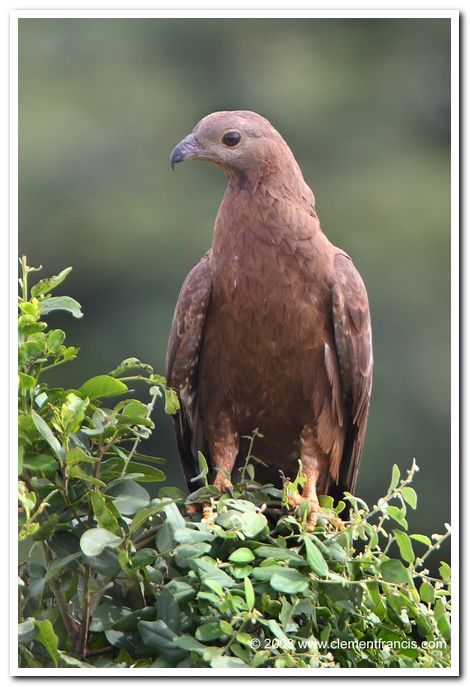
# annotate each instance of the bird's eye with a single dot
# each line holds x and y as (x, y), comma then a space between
(231, 139)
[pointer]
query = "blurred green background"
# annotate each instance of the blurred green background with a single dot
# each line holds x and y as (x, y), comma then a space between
(365, 107)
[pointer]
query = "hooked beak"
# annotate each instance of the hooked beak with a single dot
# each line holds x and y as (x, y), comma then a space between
(187, 149)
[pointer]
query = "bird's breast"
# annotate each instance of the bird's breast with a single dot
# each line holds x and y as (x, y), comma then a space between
(264, 330)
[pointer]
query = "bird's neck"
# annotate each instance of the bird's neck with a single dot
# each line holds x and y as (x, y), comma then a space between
(265, 210)
(278, 178)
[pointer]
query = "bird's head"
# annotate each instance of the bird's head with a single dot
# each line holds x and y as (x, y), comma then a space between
(243, 143)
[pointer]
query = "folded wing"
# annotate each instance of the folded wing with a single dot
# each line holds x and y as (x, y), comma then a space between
(352, 332)
(182, 361)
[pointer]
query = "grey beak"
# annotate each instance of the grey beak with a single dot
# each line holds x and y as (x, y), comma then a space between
(187, 148)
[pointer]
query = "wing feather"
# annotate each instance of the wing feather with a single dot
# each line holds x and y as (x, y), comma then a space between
(352, 331)
(182, 362)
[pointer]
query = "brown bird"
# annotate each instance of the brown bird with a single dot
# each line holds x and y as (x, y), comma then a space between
(272, 326)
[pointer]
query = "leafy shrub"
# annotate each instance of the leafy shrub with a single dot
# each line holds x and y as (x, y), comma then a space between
(126, 580)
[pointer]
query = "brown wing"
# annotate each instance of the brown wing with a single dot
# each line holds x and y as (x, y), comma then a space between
(182, 362)
(352, 331)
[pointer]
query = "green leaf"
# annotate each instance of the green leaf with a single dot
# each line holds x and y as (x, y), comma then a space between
(103, 513)
(26, 498)
(225, 627)
(72, 662)
(157, 636)
(174, 520)
(47, 527)
(410, 496)
(209, 571)
(61, 303)
(315, 559)
(187, 535)
(27, 631)
(147, 473)
(129, 497)
(184, 552)
(26, 654)
(426, 592)
(55, 339)
(94, 541)
(265, 572)
(289, 581)
(244, 638)
(275, 628)
(279, 553)
(128, 622)
(172, 404)
(439, 609)
(144, 557)
(249, 594)
(102, 386)
(47, 434)
(76, 472)
(58, 565)
(25, 381)
(28, 352)
(75, 456)
(252, 524)
(135, 410)
(73, 412)
(227, 662)
(242, 555)
(45, 285)
(397, 515)
(40, 462)
(395, 478)
(208, 632)
(106, 563)
(444, 571)
(168, 610)
(326, 501)
(444, 627)
(142, 515)
(113, 467)
(394, 571)
(133, 364)
(422, 538)
(189, 644)
(48, 638)
(405, 546)
(203, 468)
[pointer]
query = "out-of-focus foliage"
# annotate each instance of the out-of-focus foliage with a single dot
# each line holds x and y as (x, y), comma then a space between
(364, 104)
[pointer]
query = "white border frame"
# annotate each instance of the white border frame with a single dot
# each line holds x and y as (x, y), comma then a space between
(453, 15)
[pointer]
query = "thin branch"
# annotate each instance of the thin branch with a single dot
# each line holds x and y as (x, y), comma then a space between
(82, 639)
(69, 622)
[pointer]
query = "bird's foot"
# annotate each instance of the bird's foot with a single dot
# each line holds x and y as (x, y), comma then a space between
(208, 512)
(223, 483)
(207, 508)
(294, 501)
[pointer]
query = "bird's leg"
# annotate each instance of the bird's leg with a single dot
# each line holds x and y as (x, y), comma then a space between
(315, 465)
(223, 445)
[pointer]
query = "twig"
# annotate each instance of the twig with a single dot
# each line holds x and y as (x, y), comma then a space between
(98, 652)
(434, 547)
(138, 439)
(146, 537)
(69, 622)
(82, 639)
